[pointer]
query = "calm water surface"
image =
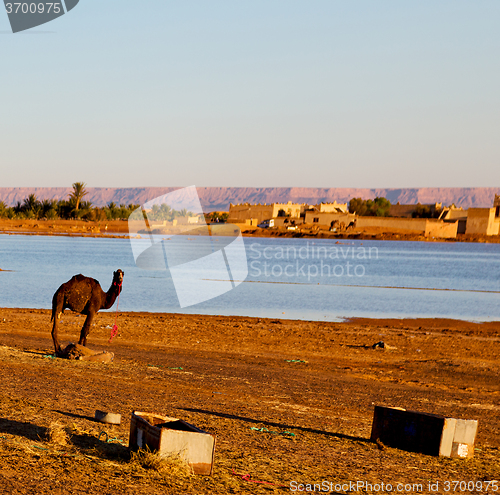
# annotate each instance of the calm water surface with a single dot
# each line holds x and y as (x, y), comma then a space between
(288, 278)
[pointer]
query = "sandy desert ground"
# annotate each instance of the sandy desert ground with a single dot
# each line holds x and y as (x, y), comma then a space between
(290, 401)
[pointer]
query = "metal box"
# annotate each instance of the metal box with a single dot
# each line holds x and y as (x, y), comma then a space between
(173, 436)
(425, 433)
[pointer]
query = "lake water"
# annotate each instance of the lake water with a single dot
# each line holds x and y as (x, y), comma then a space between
(287, 278)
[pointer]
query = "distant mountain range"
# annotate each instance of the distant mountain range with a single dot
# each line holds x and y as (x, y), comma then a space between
(219, 198)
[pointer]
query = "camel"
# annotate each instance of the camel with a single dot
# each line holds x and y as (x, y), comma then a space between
(334, 225)
(351, 224)
(85, 296)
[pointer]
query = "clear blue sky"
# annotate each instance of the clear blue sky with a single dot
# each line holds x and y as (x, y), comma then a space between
(312, 93)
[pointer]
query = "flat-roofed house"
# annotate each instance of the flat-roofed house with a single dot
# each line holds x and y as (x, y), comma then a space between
(257, 213)
(483, 221)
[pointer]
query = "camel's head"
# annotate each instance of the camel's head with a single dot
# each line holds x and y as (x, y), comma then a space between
(118, 277)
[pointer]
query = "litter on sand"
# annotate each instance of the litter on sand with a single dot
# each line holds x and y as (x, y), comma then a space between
(430, 434)
(171, 436)
(265, 430)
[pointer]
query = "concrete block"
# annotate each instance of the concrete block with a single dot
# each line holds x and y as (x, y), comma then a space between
(426, 433)
(107, 417)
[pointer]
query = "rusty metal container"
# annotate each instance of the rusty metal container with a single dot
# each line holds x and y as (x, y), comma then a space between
(430, 434)
(169, 436)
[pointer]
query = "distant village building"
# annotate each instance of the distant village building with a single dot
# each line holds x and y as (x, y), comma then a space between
(483, 221)
(445, 222)
(326, 214)
(454, 214)
(331, 207)
(182, 220)
(260, 212)
(326, 219)
(257, 213)
(288, 209)
(428, 227)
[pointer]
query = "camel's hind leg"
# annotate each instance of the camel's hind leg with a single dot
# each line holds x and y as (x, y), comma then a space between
(57, 309)
(86, 328)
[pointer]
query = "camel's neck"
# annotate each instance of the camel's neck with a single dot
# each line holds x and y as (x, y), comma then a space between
(111, 295)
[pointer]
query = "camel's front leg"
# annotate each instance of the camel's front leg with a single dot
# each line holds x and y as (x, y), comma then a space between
(57, 346)
(86, 328)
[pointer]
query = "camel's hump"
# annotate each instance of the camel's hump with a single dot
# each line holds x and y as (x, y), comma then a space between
(83, 278)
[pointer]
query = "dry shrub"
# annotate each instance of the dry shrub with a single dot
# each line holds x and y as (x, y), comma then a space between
(172, 464)
(56, 434)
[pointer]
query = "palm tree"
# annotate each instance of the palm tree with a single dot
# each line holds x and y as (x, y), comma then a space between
(49, 208)
(30, 203)
(78, 193)
(3, 209)
(31, 206)
(165, 209)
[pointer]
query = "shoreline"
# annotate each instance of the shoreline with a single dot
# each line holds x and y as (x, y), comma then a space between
(350, 320)
(118, 229)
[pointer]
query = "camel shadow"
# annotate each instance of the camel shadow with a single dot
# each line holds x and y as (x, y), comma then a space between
(23, 429)
(279, 425)
(102, 446)
(112, 448)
